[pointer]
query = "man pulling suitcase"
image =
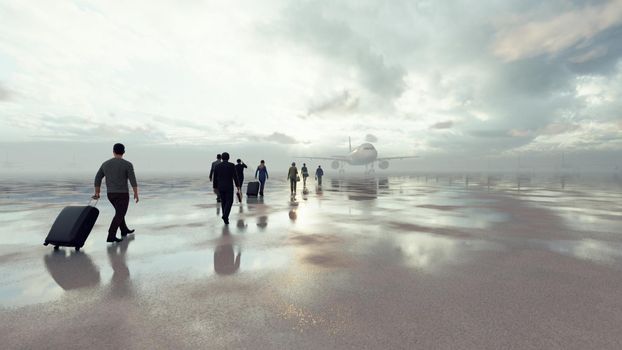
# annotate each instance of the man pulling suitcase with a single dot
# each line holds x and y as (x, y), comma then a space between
(117, 172)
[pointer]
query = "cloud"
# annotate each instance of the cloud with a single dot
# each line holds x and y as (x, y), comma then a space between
(499, 76)
(326, 30)
(589, 55)
(278, 137)
(557, 33)
(5, 94)
(443, 125)
(559, 128)
(342, 102)
(371, 138)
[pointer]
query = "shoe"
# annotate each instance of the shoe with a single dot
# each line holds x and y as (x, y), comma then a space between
(114, 240)
(123, 234)
(226, 220)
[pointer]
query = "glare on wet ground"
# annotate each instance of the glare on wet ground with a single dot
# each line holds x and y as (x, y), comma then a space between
(445, 262)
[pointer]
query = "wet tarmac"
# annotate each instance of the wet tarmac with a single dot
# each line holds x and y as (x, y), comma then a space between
(378, 263)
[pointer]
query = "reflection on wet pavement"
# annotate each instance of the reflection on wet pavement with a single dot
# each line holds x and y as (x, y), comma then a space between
(356, 262)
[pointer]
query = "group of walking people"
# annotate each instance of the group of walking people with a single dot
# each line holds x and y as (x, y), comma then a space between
(293, 177)
(225, 176)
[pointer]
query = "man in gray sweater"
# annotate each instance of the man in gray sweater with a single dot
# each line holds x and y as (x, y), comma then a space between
(117, 172)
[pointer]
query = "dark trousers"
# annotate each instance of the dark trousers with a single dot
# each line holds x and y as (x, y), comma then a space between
(319, 181)
(226, 201)
(292, 185)
(262, 183)
(120, 202)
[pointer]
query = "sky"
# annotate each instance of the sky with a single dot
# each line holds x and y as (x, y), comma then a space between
(453, 82)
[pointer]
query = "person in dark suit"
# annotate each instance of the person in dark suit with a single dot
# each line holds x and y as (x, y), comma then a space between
(211, 174)
(239, 170)
(224, 178)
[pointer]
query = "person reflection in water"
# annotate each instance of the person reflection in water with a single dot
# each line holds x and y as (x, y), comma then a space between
(293, 215)
(262, 222)
(120, 281)
(226, 261)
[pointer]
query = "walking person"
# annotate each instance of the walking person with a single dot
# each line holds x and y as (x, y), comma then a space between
(211, 175)
(262, 171)
(318, 175)
(305, 175)
(117, 172)
(224, 178)
(292, 176)
(239, 170)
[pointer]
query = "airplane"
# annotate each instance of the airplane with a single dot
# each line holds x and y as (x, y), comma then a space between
(365, 154)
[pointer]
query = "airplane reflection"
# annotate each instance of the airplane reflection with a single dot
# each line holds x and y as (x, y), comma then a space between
(72, 271)
(360, 189)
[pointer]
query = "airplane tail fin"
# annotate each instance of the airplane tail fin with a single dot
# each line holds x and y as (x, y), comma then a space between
(350, 143)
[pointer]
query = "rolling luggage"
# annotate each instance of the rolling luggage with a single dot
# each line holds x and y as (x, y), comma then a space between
(252, 189)
(72, 226)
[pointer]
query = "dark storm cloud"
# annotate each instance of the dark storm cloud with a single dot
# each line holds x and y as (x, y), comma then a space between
(328, 32)
(597, 56)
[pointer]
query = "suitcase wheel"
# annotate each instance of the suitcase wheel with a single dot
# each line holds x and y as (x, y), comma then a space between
(56, 247)
(77, 249)
(46, 244)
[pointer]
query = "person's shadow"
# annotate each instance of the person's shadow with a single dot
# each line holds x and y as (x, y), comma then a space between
(226, 261)
(73, 270)
(120, 283)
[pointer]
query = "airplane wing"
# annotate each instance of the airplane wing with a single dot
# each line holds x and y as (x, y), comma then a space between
(399, 157)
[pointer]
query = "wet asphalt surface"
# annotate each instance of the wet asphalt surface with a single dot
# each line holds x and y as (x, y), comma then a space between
(378, 263)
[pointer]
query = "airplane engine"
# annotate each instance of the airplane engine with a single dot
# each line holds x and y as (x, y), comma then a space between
(383, 164)
(335, 164)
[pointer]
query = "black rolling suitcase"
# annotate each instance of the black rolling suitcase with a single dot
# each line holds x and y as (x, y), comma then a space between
(252, 189)
(72, 226)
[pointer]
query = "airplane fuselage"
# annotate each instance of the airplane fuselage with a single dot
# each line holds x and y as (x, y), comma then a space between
(363, 155)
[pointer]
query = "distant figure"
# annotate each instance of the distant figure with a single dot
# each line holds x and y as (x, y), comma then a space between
(305, 175)
(318, 175)
(224, 179)
(262, 171)
(239, 170)
(292, 176)
(117, 172)
(211, 174)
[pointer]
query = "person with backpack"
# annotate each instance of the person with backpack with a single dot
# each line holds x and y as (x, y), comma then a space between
(318, 175)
